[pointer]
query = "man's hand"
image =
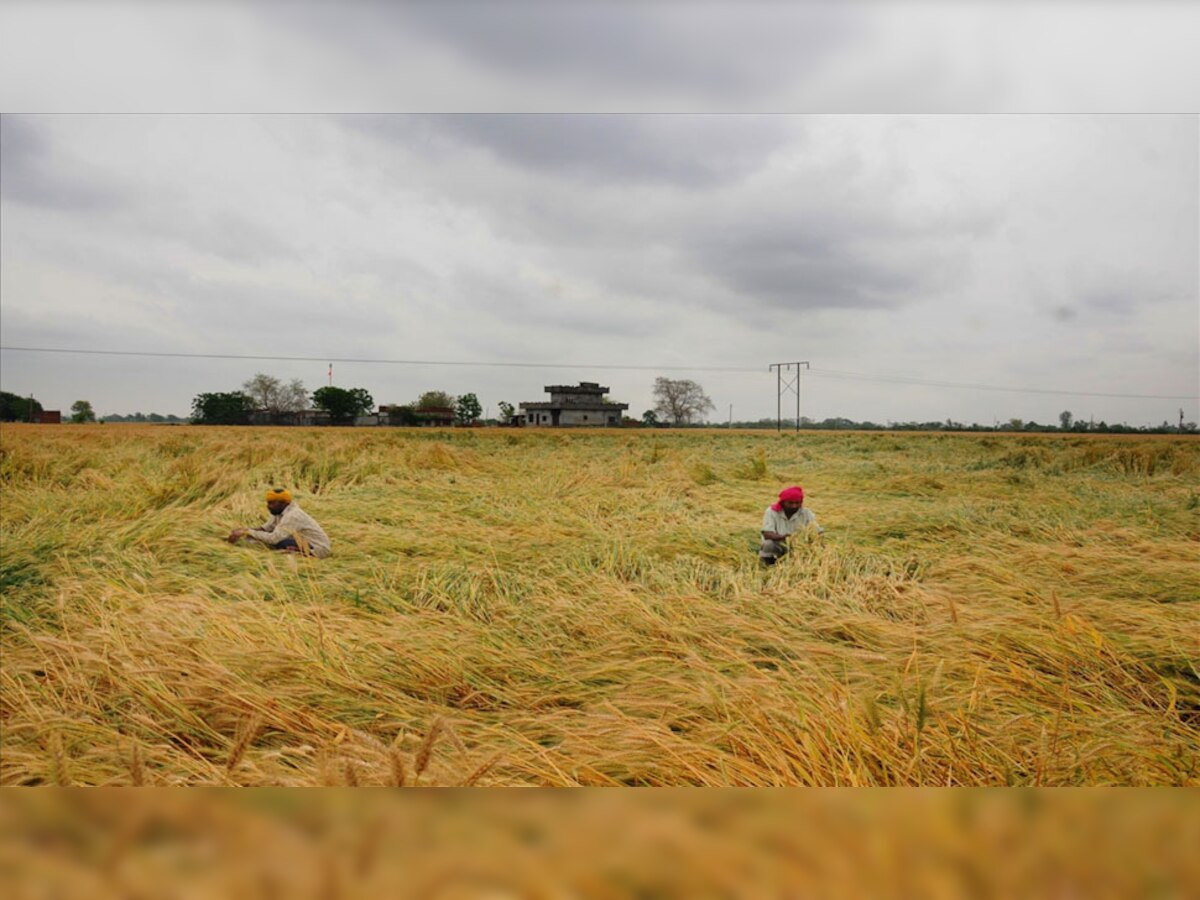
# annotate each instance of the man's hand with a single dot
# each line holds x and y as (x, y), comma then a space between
(236, 535)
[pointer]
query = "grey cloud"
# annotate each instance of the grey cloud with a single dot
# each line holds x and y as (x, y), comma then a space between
(722, 51)
(686, 150)
(553, 308)
(833, 253)
(179, 298)
(726, 50)
(825, 236)
(1110, 291)
(229, 235)
(804, 274)
(30, 174)
(1111, 301)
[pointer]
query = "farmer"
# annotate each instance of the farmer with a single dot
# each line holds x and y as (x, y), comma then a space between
(783, 519)
(290, 528)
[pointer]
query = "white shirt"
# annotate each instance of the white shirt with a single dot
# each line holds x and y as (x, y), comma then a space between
(294, 522)
(778, 521)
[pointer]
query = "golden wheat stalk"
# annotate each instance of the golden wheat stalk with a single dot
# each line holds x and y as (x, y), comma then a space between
(246, 735)
(425, 751)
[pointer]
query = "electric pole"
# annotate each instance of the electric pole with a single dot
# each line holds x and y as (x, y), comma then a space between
(781, 387)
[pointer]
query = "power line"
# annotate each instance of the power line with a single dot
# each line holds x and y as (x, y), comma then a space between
(902, 379)
(392, 362)
(822, 373)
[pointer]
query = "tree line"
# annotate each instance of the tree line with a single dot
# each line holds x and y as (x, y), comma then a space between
(1012, 425)
(278, 402)
(145, 418)
(15, 408)
(678, 403)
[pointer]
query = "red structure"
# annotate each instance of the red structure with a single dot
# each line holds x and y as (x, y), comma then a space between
(48, 417)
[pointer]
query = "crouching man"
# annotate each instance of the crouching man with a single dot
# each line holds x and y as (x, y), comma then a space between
(783, 519)
(290, 528)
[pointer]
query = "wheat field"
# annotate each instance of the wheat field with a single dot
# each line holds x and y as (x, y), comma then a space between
(586, 608)
(673, 844)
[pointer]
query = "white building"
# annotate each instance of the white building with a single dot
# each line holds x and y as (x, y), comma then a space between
(569, 405)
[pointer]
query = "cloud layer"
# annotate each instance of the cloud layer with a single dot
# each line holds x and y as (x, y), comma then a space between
(625, 186)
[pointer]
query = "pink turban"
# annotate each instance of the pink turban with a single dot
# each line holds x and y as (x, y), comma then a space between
(794, 494)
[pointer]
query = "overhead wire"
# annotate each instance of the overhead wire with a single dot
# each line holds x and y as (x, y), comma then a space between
(816, 372)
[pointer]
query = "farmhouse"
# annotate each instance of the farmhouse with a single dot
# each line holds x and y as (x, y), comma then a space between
(425, 416)
(289, 417)
(571, 405)
(434, 416)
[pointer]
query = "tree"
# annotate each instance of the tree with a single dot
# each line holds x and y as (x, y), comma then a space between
(402, 414)
(274, 396)
(15, 408)
(431, 399)
(342, 404)
(467, 410)
(680, 400)
(232, 408)
(81, 411)
(261, 390)
(1064, 419)
(650, 418)
(507, 411)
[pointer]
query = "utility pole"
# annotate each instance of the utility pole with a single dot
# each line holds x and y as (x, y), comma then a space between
(731, 417)
(792, 384)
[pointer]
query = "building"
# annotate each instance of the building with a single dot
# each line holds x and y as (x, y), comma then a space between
(427, 417)
(573, 405)
(434, 416)
(292, 417)
(48, 417)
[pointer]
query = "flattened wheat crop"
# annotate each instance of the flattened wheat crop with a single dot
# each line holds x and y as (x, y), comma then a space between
(586, 608)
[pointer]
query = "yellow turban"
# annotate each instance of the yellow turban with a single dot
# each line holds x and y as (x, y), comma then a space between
(282, 494)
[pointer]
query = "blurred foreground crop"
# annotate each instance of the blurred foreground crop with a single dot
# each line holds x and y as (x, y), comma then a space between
(669, 843)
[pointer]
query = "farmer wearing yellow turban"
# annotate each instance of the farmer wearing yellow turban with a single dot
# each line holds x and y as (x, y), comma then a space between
(290, 528)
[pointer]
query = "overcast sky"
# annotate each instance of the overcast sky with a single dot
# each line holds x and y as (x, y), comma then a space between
(963, 198)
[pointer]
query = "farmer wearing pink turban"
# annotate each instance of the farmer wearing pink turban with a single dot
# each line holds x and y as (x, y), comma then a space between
(783, 519)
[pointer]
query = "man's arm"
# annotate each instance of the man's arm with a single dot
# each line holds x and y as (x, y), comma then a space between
(770, 523)
(273, 536)
(238, 533)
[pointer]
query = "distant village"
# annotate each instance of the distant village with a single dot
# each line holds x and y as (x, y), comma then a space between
(266, 401)
(582, 405)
